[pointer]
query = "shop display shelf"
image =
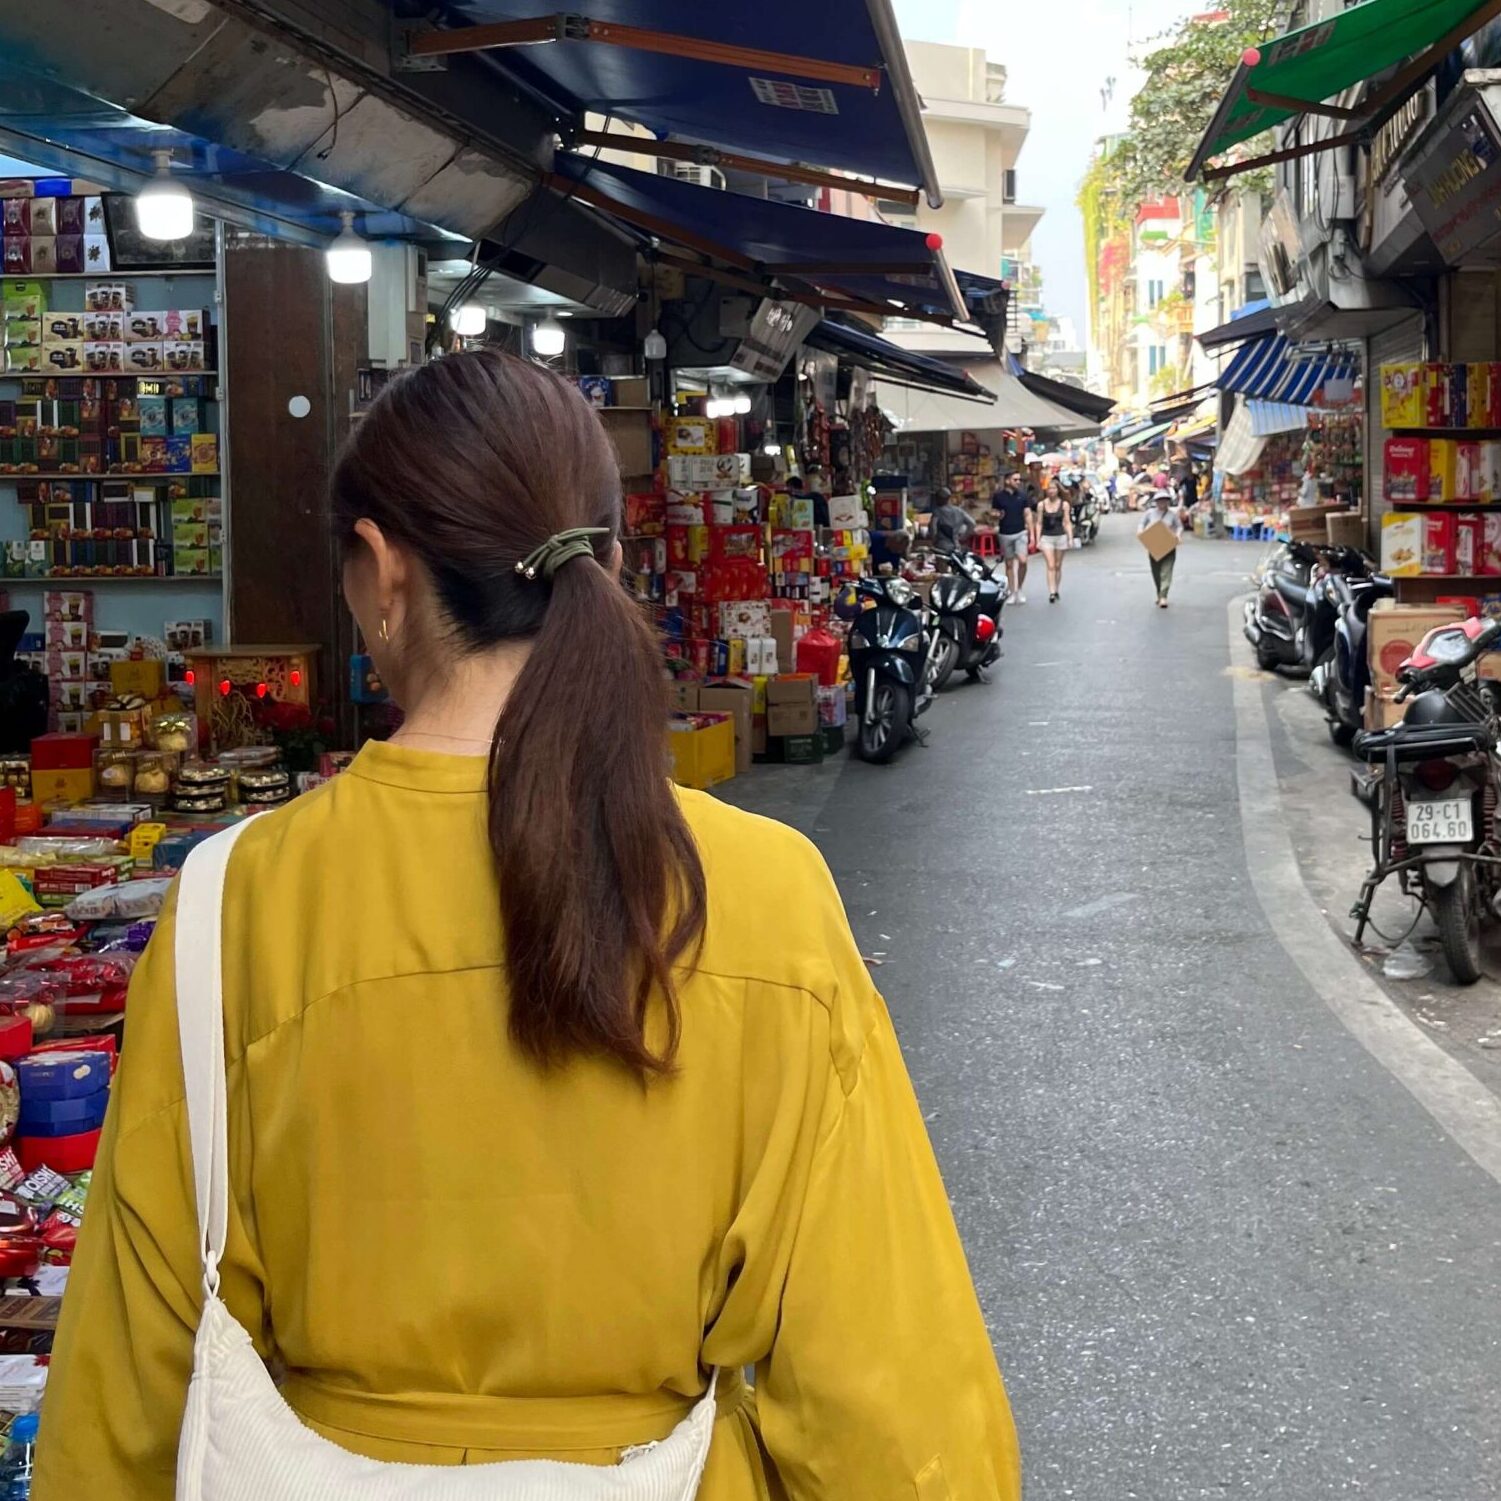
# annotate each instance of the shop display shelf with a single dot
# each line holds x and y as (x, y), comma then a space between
(124, 375)
(10, 479)
(108, 276)
(89, 580)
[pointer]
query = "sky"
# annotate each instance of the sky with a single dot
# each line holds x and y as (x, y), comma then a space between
(1059, 55)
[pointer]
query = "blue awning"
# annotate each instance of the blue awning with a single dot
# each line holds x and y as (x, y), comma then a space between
(1145, 437)
(892, 363)
(1249, 322)
(872, 262)
(873, 128)
(1267, 370)
(1269, 417)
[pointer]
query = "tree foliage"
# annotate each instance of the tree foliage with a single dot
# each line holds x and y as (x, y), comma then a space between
(1188, 70)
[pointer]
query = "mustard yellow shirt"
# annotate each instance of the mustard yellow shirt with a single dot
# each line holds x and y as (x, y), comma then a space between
(456, 1257)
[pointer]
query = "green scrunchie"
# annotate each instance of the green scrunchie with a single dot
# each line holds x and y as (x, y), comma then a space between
(560, 548)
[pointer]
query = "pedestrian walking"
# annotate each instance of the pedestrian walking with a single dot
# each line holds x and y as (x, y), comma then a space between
(1165, 510)
(1014, 528)
(523, 1127)
(1054, 535)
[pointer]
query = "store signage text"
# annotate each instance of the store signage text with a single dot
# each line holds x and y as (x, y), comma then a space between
(1456, 188)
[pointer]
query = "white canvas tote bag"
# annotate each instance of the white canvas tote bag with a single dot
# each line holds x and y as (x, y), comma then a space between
(240, 1441)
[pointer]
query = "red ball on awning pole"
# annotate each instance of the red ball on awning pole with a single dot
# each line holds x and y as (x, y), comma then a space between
(1251, 56)
(934, 242)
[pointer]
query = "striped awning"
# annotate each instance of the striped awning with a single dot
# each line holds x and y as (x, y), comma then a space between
(1269, 417)
(1270, 369)
(1240, 448)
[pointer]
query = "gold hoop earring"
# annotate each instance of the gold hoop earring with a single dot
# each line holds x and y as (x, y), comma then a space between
(385, 635)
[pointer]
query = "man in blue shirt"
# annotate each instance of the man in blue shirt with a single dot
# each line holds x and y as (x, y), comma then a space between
(1015, 526)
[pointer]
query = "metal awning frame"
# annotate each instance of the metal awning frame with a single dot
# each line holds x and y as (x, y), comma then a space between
(1375, 109)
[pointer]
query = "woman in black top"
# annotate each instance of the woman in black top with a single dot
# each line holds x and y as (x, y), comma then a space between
(1054, 535)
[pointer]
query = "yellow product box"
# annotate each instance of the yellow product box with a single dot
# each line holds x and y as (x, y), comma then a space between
(63, 785)
(703, 750)
(144, 839)
(1402, 545)
(145, 677)
(690, 435)
(1443, 470)
(1404, 401)
(758, 695)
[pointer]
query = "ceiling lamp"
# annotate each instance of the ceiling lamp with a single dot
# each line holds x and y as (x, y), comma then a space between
(164, 208)
(348, 257)
(548, 338)
(468, 320)
(740, 404)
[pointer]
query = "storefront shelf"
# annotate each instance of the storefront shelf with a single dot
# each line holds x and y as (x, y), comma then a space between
(108, 375)
(68, 580)
(107, 276)
(1476, 434)
(10, 479)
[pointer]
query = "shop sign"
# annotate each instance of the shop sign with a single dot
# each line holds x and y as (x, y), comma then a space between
(776, 329)
(1456, 186)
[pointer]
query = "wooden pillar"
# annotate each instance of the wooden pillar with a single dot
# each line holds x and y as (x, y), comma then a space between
(290, 333)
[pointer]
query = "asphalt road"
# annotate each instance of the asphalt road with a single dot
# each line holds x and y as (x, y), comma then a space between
(1222, 1249)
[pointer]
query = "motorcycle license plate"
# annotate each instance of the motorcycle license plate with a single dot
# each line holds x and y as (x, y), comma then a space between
(1440, 820)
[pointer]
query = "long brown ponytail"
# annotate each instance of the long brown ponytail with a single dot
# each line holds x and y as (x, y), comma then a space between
(470, 463)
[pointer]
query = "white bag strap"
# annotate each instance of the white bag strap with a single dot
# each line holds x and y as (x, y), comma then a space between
(200, 1028)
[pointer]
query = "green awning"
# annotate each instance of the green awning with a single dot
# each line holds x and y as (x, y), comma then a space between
(1293, 74)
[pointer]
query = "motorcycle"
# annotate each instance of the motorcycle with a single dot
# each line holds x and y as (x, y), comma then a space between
(891, 661)
(967, 604)
(1086, 519)
(1340, 679)
(1274, 619)
(1433, 814)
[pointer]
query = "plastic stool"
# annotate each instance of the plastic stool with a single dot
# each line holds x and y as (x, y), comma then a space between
(985, 544)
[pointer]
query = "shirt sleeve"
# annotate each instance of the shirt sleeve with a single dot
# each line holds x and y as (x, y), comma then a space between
(881, 1383)
(124, 1348)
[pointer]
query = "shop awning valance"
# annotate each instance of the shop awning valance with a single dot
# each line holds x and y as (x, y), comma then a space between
(892, 364)
(1294, 74)
(1204, 418)
(862, 260)
(1150, 436)
(826, 84)
(1071, 398)
(1271, 417)
(1240, 449)
(1249, 323)
(1267, 370)
(1013, 407)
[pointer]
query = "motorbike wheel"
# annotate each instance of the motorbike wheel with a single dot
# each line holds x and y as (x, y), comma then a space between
(881, 733)
(1266, 656)
(945, 660)
(1456, 907)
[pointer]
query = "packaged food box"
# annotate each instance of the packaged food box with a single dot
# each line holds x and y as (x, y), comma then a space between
(1443, 470)
(1403, 402)
(1402, 544)
(1439, 537)
(1469, 544)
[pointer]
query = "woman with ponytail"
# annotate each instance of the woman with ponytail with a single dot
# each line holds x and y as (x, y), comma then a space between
(552, 1089)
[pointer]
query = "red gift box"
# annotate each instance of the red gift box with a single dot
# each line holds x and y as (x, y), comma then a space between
(1436, 394)
(62, 752)
(1439, 536)
(1406, 469)
(63, 1154)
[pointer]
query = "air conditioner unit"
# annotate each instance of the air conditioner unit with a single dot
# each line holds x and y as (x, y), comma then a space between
(695, 172)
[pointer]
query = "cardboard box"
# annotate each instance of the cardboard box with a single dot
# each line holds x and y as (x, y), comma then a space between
(734, 699)
(1381, 711)
(703, 750)
(1402, 544)
(145, 678)
(631, 434)
(62, 784)
(792, 705)
(781, 633)
(692, 435)
(1346, 529)
(1158, 539)
(1393, 632)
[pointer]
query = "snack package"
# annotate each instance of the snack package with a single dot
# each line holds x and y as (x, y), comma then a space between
(128, 899)
(16, 902)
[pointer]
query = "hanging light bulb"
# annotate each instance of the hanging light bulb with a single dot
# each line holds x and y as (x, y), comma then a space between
(740, 404)
(654, 346)
(548, 338)
(468, 320)
(164, 208)
(348, 257)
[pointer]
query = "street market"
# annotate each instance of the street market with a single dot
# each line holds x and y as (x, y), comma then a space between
(707, 613)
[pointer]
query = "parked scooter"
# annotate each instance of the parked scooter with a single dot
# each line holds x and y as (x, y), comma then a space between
(1274, 618)
(967, 604)
(891, 661)
(1341, 677)
(1434, 813)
